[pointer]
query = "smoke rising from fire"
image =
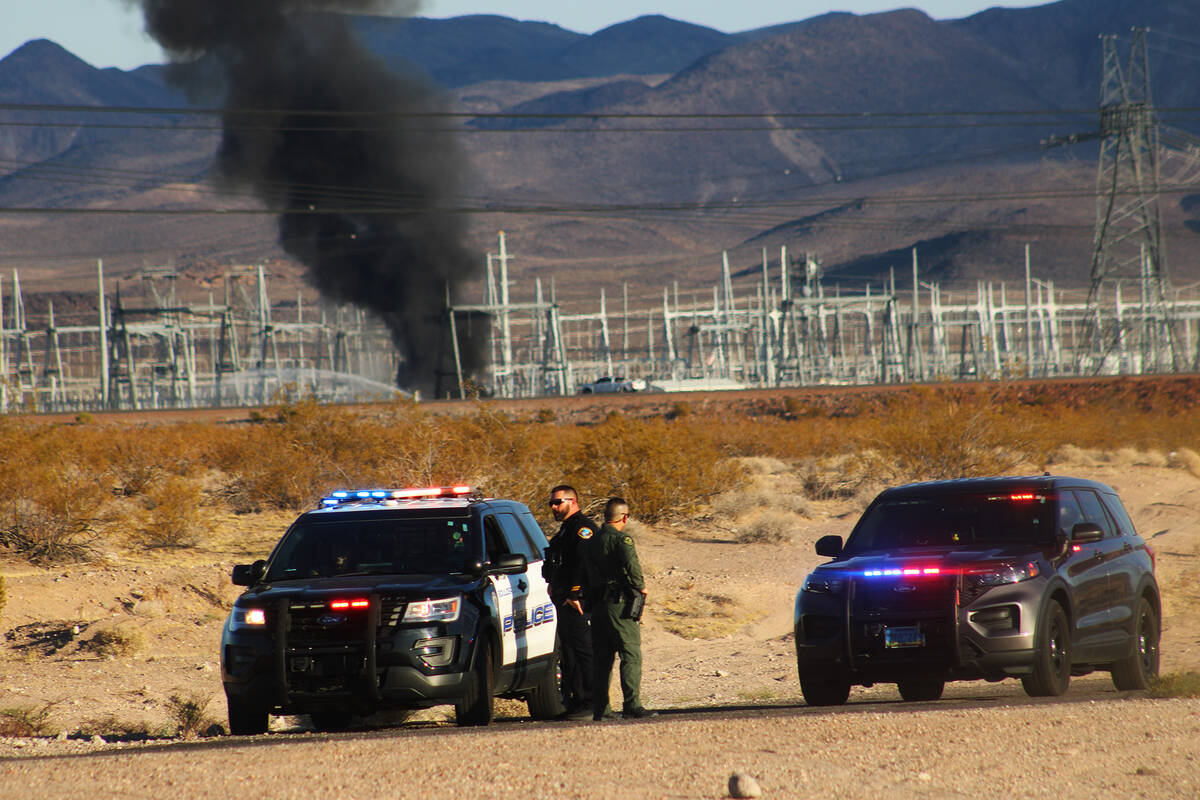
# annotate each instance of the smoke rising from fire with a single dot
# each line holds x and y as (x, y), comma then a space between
(319, 128)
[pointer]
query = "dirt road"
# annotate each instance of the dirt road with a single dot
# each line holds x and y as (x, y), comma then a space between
(1094, 743)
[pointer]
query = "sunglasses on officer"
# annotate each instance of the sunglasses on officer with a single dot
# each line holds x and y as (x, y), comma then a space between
(558, 501)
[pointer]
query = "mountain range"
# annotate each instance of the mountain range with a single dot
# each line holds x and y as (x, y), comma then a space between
(641, 152)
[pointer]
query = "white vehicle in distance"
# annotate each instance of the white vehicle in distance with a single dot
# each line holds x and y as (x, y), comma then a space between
(609, 384)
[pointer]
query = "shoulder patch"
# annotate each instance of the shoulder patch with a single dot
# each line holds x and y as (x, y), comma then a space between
(628, 540)
(585, 533)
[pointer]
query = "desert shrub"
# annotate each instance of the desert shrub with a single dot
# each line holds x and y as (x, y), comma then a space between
(743, 501)
(769, 527)
(51, 514)
(763, 465)
(795, 408)
(679, 409)
(25, 721)
(662, 468)
(189, 713)
(918, 440)
(116, 642)
(1176, 684)
(175, 515)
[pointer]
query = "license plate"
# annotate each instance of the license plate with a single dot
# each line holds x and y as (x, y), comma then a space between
(904, 636)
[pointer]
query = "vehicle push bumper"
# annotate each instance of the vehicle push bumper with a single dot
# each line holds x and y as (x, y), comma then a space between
(297, 665)
(879, 630)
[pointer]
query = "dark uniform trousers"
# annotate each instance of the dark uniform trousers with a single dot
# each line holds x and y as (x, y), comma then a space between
(615, 637)
(575, 656)
(565, 577)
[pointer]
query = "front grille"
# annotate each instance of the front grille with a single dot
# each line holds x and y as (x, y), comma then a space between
(313, 623)
(391, 612)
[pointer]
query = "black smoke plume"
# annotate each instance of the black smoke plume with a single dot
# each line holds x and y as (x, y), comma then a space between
(320, 129)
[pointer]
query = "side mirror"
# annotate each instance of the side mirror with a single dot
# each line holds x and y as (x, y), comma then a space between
(510, 564)
(249, 574)
(1086, 533)
(829, 546)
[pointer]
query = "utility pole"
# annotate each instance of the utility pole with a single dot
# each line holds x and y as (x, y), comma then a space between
(1128, 243)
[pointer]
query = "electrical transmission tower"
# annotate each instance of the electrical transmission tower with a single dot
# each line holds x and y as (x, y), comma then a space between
(1128, 249)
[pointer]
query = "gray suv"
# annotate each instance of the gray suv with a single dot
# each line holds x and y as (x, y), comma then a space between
(1037, 578)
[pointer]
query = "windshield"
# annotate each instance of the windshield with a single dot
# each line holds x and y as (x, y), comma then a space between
(408, 546)
(950, 520)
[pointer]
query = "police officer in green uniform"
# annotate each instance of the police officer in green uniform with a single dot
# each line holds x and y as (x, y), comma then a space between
(616, 593)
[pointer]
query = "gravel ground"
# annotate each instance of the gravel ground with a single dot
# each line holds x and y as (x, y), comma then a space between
(718, 661)
(1079, 747)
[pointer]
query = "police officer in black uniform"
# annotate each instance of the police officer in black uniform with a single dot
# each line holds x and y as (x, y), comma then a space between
(564, 573)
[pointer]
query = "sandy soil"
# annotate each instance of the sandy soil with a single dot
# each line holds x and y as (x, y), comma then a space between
(717, 633)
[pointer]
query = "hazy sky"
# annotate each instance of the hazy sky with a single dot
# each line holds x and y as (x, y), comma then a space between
(108, 33)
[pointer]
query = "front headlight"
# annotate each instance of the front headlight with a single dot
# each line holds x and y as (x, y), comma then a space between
(445, 609)
(818, 583)
(1004, 574)
(248, 618)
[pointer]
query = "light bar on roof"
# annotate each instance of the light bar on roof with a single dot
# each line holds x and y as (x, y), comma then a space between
(422, 493)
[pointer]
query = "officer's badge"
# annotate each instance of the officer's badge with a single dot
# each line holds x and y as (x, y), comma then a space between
(628, 540)
(585, 533)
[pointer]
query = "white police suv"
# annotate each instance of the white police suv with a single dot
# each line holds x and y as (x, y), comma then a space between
(394, 599)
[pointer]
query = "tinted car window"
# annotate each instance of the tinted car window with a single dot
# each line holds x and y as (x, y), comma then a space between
(372, 547)
(953, 519)
(1115, 507)
(1093, 510)
(534, 532)
(496, 544)
(1069, 513)
(518, 542)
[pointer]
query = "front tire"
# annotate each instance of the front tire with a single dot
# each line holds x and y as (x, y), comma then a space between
(824, 689)
(545, 699)
(1052, 655)
(915, 690)
(1136, 670)
(246, 718)
(476, 708)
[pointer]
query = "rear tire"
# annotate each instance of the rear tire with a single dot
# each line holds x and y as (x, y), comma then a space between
(1136, 670)
(823, 689)
(246, 718)
(545, 699)
(1052, 655)
(915, 690)
(475, 708)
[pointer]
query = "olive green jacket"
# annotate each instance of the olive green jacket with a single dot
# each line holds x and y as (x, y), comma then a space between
(611, 564)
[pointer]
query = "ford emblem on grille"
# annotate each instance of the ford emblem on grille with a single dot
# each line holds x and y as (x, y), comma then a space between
(329, 620)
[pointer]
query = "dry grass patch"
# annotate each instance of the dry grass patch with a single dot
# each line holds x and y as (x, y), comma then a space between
(116, 641)
(1176, 684)
(769, 527)
(693, 614)
(26, 721)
